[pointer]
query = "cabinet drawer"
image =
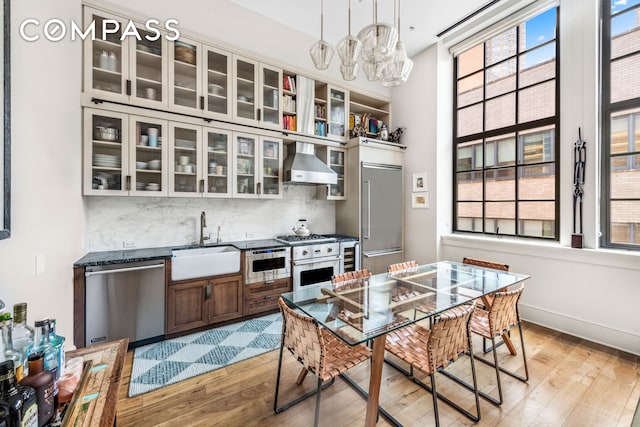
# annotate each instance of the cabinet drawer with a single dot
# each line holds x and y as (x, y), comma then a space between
(258, 305)
(277, 287)
(263, 296)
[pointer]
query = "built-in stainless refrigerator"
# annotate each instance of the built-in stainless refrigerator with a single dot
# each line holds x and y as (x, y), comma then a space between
(373, 210)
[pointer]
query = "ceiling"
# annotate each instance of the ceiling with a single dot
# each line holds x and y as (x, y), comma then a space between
(427, 17)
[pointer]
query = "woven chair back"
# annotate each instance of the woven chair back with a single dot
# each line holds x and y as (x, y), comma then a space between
(351, 275)
(302, 337)
(486, 264)
(401, 266)
(449, 336)
(504, 312)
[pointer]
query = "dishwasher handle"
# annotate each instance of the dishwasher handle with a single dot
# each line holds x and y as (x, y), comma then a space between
(122, 270)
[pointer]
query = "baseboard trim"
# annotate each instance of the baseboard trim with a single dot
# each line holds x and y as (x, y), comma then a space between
(627, 341)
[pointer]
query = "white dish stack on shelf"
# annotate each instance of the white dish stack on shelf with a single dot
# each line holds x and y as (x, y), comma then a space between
(106, 160)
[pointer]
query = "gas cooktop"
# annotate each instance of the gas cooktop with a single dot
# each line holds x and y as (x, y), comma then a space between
(294, 239)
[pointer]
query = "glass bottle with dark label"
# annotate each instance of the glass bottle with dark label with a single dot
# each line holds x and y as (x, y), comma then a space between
(6, 346)
(22, 401)
(42, 382)
(21, 332)
(58, 342)
(41, 344)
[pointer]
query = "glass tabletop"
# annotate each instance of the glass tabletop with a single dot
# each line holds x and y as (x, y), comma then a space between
(362, 309)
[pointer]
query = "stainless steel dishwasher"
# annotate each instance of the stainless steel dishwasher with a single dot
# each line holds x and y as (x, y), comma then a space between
(125, 301)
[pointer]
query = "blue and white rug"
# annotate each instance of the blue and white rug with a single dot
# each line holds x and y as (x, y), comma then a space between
(170, 361)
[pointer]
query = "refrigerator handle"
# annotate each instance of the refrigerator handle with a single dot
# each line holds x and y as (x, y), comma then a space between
(368, 234)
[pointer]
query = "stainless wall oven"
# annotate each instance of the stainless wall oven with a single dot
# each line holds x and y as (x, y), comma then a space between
(262, 265)
(315, 264)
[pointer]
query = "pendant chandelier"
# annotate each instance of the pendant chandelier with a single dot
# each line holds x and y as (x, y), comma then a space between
(399, 67)
(349, 50)
(377, 49)
(321, 52)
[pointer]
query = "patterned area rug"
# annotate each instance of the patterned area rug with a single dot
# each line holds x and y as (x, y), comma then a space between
(170, 361)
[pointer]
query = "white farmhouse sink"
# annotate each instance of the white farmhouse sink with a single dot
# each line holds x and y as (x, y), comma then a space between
(201, 262)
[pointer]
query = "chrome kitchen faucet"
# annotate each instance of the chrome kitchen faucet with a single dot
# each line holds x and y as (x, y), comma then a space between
(203, 224)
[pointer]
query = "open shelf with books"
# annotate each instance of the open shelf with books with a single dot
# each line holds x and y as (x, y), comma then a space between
(289, 121)
(368, 112)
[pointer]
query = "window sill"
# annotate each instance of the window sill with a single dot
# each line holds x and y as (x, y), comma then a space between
(552, 250)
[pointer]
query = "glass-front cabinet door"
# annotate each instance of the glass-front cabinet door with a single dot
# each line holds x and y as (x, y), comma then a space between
(106, 57)
(245, 165)
(217, 163)
(185, 77)
(147, 156)
(271, 168)
(337, 114)
(148, 69)
(245, 88)
(185, 160)
(217, 81)
(271, 92)
(105, 153)
(337, 162)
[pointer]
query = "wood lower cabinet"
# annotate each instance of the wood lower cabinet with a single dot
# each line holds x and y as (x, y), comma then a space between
(196, 303)
(263, 296)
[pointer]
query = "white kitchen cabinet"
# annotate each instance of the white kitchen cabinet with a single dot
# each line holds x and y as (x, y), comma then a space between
(257, 162)
(217, 74)
(185, 76)
(120, 157)
(185, 160)
(337, 114)
(199, 160)
(336, 159)
(130, 70)
(257, 91)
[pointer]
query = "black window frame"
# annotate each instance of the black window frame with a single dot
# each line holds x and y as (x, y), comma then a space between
(608, 109)
(515, 129)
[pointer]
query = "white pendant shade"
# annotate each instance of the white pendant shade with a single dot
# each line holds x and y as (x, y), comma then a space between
(373, 70)
(321, 53)
(378, 42)
(349, 72)
(349, 50)
(398, 69)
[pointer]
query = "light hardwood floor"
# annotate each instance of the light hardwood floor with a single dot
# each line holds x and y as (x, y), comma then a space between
(573, 382)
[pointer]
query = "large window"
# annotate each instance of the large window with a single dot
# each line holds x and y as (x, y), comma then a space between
(621, 124)
(506, 132)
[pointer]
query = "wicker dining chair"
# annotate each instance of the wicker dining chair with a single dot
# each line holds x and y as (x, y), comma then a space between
(401, 266)
(432, 350)
(318, 350)
(350, 275)
(502, 316)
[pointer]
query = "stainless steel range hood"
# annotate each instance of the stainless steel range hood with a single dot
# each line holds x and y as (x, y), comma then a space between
(303, 167)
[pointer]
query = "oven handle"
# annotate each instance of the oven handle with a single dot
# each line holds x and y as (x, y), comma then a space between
(317, 260)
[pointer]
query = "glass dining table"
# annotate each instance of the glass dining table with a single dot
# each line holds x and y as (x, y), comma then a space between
(367, 309)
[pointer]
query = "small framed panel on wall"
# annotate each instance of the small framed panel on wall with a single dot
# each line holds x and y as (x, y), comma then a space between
(419, 182)
(420, 199)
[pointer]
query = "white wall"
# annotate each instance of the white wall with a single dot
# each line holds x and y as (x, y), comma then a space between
(49, 215)
(590, 293)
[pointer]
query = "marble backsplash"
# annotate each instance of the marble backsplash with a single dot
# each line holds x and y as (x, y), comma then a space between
(154, 221)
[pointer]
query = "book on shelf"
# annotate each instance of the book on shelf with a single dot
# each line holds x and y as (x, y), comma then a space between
(289, 83)
(321, 111)
(321, 129)
(288, 103)
(289, 123)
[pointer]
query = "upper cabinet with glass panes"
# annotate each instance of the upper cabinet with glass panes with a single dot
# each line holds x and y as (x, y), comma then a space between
(124, 69)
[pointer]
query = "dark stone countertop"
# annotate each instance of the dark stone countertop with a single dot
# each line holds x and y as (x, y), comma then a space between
(147, 254)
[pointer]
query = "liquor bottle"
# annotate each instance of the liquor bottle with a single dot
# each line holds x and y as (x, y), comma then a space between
(7, 351)
(21, 333)
(42, 383)
(23, 405)
(41, 344)
(58, 343)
